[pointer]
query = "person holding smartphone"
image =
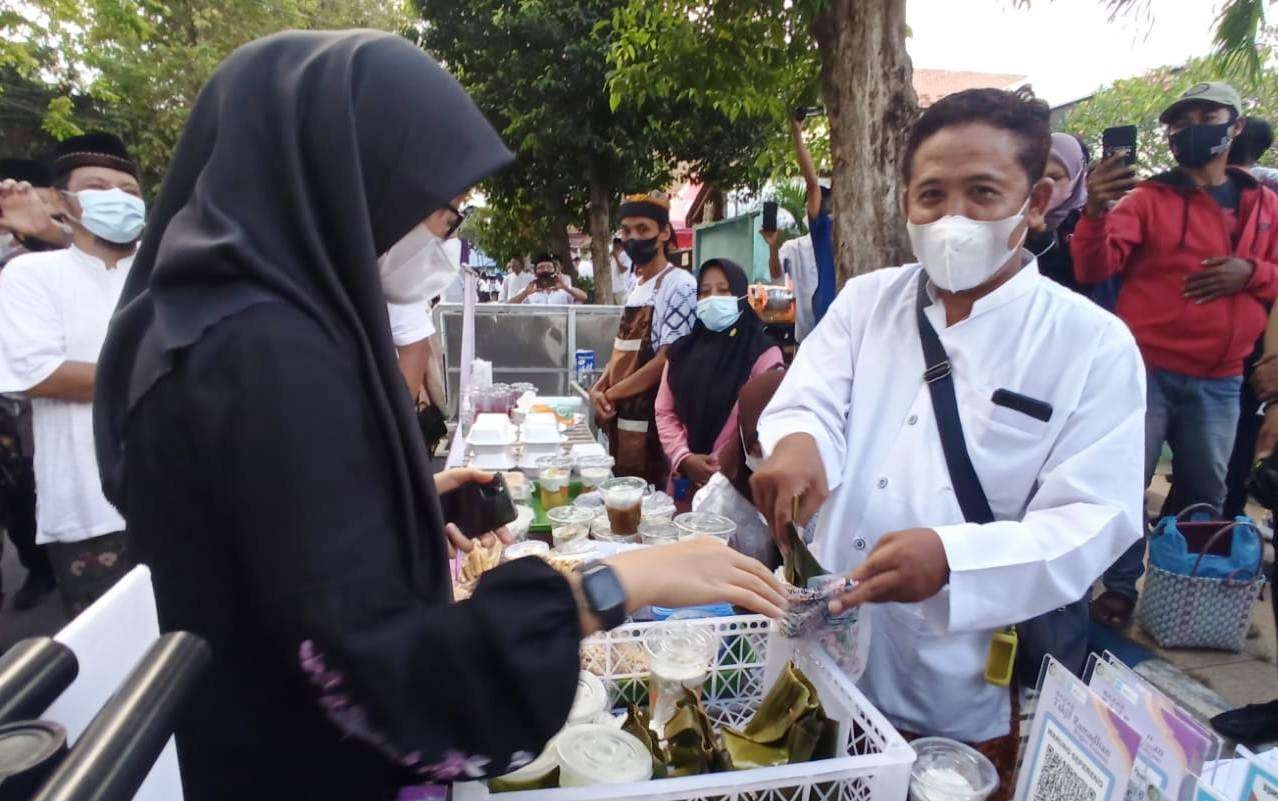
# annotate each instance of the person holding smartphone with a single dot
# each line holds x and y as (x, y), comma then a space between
(549, 287)
(253, 427)
(1197, 249)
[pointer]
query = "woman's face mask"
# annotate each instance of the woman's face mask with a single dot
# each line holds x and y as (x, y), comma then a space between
(416, 268)
(718, 312)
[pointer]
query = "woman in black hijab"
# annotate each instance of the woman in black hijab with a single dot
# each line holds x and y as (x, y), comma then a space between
(253, 428)
(697, 402)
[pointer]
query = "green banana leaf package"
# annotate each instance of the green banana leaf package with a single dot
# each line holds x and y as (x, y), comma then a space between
(693, 747)
(789, 727)
(640, 725)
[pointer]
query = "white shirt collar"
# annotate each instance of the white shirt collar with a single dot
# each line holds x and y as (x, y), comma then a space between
(90, 259)
(1020, 284)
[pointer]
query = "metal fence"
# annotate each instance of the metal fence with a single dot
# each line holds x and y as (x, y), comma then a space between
(536, 344)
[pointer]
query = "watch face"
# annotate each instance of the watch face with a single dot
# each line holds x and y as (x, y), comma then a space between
(604, 591)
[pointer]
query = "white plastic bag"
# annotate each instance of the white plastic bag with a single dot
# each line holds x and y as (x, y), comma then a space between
(752, 536)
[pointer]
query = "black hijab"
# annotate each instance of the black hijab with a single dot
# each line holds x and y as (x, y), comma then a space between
(708, 368)
(305, 156)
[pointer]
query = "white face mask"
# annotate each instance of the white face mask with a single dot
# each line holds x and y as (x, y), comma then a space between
(960, 253)
(416, 268)
(752, 462)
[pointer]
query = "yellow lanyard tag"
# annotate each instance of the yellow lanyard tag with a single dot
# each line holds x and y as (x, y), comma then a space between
(1002, 657)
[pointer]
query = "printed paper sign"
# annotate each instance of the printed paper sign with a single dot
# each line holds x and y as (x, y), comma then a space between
(1079, 749)
(1260, 782)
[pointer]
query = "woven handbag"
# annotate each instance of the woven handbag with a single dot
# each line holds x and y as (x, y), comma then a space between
(1193, 611)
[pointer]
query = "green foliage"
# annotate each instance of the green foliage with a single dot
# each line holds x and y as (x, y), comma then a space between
(1139, 101)
(135, 66)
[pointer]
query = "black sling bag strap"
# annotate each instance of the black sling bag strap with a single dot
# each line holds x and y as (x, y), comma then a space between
(940, 385)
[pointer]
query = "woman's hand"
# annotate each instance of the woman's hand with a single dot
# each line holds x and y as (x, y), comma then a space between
(449, 480)
(696, 572)
(700, 467)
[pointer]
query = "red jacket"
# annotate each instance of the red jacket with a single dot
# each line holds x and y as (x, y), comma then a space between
(1156, 236)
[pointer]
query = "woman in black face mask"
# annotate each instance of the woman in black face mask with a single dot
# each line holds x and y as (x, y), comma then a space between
(659, 311)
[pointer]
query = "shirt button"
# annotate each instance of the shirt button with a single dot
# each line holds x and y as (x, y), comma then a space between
(882, 483)
(914, 418)
(859, 544)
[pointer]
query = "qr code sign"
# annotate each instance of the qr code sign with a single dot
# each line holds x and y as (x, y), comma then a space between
(1065, 773)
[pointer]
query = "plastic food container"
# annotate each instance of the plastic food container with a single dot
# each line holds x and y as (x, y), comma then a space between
(541, 429)
(947, 770)
(704, 524)
(594, 470)
(491, 429)
(658, 532)
(592, 754)
(590, 701)
(601, 530)
(519, 550)
(658, 506)
(519, 527)
(680, 654)
(623, 497)
(553, 475)
(584, 450)
(519, 487)
(569, 524)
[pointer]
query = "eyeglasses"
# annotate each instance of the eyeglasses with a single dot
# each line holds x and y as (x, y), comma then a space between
(459, 217)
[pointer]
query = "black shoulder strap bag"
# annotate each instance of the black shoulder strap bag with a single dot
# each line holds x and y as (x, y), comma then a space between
(1061, 632)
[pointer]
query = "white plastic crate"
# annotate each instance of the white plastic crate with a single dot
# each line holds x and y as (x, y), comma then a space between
(878, 761)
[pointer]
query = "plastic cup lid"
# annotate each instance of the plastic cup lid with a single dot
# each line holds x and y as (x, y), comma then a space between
(591, 698)
(594, 754)
(658, 531)
(519, 550)
(680, 643)
(698, 523)
(570, 515)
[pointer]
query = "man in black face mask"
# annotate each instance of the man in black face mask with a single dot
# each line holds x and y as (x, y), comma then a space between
(1197, 248)
(659, 311)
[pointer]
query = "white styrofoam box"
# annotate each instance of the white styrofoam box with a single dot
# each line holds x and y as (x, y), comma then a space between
(585, 449)
(750, 657)
(491, 429)
(494, 458)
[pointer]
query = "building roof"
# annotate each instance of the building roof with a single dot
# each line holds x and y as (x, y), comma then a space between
(932, 85)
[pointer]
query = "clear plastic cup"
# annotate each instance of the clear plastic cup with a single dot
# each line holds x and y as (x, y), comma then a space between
(704, 524)
(553, 476)
(658, 532)
(680, 653)
(947, 770)
(594, 470)
(569, 524)
(623, 497)
(658, 506)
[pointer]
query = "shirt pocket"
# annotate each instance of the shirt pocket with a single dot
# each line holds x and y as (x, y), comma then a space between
(1008, 448)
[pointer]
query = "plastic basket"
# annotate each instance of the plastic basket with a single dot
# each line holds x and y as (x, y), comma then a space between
(878, 761)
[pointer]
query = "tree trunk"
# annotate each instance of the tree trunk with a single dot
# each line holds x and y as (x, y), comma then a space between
(601, 241)
(866, 80)
(560, 247)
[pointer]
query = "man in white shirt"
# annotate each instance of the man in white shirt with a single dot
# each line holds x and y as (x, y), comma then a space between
(795, 258)
(623, 275)
(517, 279)
(54, 311)
(549, 287)
(1050, 396)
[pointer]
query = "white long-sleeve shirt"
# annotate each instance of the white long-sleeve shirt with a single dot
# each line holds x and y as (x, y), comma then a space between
(1066, 493)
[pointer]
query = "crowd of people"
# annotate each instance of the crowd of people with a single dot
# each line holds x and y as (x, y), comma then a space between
(223, 389)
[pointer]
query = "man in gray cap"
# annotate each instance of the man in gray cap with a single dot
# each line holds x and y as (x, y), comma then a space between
(1197, 248)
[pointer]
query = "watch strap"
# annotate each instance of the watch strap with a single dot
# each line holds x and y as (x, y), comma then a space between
(605, 597)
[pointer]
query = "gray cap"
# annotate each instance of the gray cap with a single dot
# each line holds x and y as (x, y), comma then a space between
(1218, 92)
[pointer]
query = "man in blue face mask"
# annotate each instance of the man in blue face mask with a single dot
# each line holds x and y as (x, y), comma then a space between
(54, 310)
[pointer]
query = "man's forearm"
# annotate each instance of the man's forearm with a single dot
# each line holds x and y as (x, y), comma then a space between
(774, 262)
(72, 381)
(641, 380)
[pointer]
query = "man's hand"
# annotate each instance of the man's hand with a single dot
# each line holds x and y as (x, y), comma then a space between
(24, 213)
(1264, 379)
(604, 410)
(1224, 276)
(905, 566)
(449, 480)
(773, 238)
(700, 467)
(791, 480)
(1108, 181)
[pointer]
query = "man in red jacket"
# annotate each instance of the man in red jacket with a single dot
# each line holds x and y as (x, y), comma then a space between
(1197, 248)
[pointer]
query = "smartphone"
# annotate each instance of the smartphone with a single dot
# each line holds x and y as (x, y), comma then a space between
(1120, 139)
(477, 509)
(769, 215)
(801, 113)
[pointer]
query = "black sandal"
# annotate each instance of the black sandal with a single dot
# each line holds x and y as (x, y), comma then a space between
(1113, 609)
